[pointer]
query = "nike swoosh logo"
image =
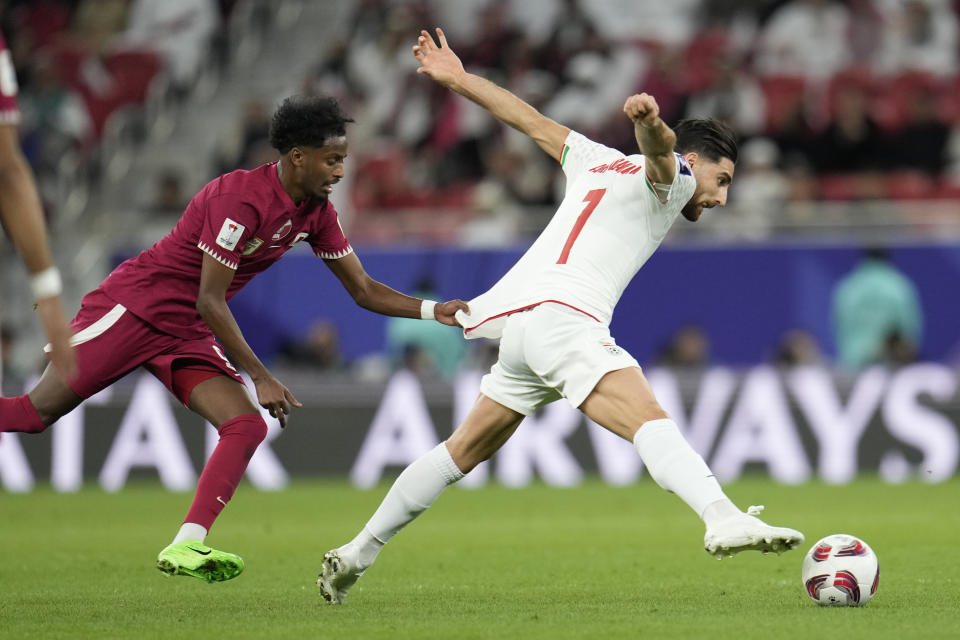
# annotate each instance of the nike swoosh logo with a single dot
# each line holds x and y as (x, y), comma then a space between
(203, 553)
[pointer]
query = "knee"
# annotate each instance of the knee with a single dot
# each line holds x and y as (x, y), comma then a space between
(252, 429)
(50, 411)
(22, 414)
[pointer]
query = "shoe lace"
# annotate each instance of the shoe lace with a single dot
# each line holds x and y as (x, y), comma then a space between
(755, 509)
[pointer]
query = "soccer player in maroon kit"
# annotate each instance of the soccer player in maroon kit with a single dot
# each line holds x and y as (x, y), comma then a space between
(22, 218)
(166, 310)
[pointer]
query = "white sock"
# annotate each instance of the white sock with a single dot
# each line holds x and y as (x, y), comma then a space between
(676, 467)
(367, 548)
(414, 490)
(190, 531)
(720, 510)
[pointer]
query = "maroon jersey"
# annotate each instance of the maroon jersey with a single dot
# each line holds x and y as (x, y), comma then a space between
(243, 219)
(9, 110)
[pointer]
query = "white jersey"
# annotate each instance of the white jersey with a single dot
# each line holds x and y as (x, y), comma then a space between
(610, 222)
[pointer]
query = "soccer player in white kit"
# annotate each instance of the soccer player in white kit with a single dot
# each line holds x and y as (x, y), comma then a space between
(552, 312)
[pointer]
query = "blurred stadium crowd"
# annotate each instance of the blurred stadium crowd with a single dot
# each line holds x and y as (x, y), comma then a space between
(80, 61)
(836, 102)
(853, 100)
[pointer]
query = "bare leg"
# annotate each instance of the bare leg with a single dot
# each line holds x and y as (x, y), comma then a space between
(50, 399)
(221, 399)
(485, 429)
(488, 425)
(624, 403)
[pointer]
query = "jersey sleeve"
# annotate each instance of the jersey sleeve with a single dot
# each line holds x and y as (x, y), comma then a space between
(682, 186)
(9, 109)
(580, 153)
(228, 222)
(329, 242)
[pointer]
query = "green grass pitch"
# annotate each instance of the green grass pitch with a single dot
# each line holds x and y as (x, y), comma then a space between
(539, 562)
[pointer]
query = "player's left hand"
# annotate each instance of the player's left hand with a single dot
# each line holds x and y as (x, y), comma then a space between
(642, 109)
(444, 311)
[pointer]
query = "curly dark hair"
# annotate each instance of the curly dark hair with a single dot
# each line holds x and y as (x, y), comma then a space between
(708, 137)
(307, 121)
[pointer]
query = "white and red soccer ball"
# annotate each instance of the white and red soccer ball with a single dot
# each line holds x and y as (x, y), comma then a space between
(841, 570)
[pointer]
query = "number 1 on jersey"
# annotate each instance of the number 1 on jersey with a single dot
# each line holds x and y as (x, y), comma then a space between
(592, 200)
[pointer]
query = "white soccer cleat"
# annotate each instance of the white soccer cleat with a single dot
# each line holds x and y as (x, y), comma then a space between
(745, 532)
(340, 572)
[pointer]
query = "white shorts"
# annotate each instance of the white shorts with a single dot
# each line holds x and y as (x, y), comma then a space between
(550, 352)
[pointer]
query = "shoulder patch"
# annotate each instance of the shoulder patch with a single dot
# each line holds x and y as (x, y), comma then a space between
(230, 234)
(250, 246)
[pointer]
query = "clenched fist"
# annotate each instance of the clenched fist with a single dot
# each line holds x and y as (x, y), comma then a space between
(642, 109)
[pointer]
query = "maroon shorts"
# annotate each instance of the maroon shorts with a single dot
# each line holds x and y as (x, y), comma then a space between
(111, 342)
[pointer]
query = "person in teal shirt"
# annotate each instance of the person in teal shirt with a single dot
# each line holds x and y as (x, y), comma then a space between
(424, 349)
(875, 305)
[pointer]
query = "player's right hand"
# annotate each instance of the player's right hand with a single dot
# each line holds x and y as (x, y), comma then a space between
(445, 312)
(437, 61)
(275, 398)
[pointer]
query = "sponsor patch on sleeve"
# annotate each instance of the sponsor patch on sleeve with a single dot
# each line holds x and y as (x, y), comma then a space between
(250, 246)
(230, 234)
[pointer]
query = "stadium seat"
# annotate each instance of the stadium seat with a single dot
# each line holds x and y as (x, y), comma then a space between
(894, 94)
(950, 100)
(852, 78)
(948, 189)
(840, 186)
(44, 21)
(133, 71)
(701, 55)
(910, 185)
(784, 95)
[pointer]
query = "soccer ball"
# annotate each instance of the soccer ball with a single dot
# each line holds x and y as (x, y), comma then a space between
(841, 570)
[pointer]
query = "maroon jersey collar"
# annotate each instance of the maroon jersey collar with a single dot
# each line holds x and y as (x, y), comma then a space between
(274, 177)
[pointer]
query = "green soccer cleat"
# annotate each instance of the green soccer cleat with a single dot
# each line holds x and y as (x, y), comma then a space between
(195, 559)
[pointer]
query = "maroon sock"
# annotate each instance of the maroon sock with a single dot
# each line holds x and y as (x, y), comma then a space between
(239, 438)
(18, 414)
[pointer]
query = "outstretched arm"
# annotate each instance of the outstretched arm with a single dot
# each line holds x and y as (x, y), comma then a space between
(215, 279)
(443, 66)
(655, 139)
(22, 217)
(378, 297)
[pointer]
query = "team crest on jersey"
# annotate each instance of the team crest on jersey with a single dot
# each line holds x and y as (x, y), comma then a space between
(300, 236)
(283, 231)
(250, 246)
(230, 234)
(611, 348)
